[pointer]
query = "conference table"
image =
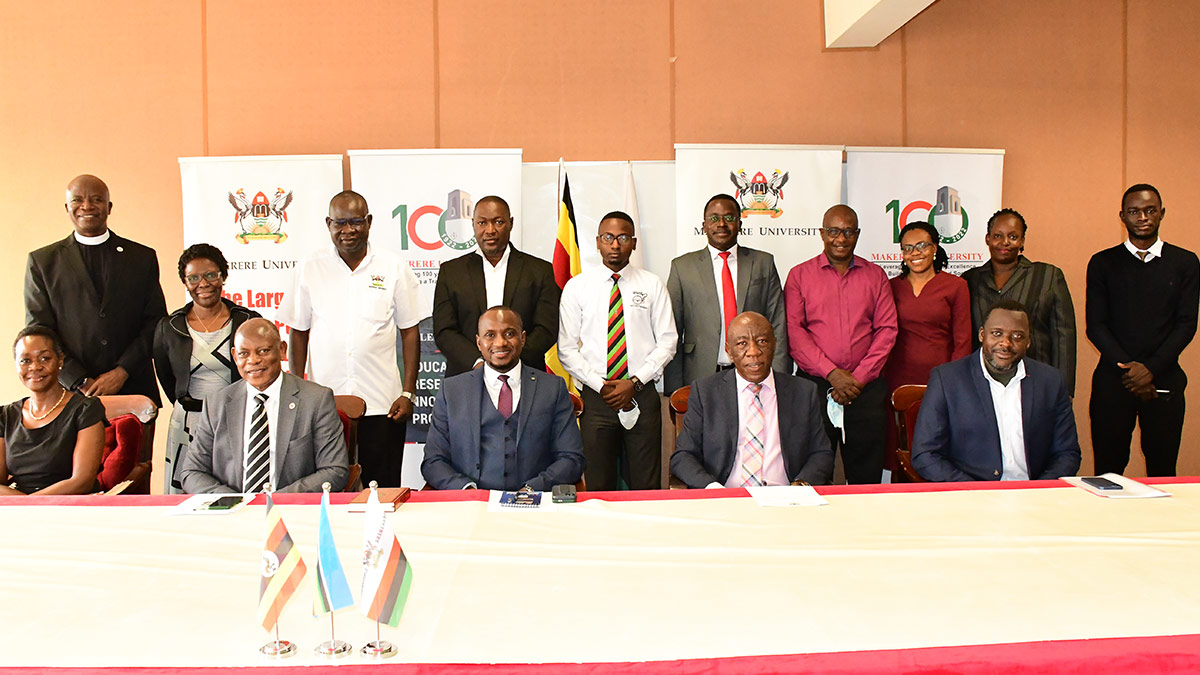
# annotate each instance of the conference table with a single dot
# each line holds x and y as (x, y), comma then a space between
(978, 577)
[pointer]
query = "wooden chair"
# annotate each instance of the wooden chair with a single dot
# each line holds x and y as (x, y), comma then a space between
(351, 409)
(906, 402)
(679, 408)
(142, 408)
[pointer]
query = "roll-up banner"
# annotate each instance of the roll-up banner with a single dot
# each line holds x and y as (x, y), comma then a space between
(423, 202)
(956, 190)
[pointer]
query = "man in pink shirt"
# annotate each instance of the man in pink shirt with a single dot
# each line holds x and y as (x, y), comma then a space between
(752, 426)
(841, 328)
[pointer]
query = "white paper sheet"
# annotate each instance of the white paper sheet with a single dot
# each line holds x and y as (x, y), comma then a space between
(786, 495)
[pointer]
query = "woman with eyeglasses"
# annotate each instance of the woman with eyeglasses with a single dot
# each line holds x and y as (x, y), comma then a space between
(192, 353)
(933, 309)
(54, 438)
(1040, 286)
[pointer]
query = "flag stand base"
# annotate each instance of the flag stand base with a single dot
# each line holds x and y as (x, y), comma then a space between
(279, 649)
(380, 649)
(336, 648)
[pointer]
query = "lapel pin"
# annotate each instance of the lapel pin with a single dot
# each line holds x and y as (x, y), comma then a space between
(120, 249)
(292, 405)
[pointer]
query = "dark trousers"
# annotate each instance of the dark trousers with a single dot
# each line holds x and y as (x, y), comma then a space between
(607, 445)
(866, 420)
(1114, 411)
(381, 449)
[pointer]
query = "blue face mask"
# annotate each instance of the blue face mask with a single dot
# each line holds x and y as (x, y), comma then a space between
(836, 412)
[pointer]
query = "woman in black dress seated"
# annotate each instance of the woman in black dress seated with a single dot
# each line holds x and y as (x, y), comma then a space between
(54, 438)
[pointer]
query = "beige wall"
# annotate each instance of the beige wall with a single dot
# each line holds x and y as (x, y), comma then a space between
(1086, 96)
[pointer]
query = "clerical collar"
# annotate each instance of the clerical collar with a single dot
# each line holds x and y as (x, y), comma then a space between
(93, 241)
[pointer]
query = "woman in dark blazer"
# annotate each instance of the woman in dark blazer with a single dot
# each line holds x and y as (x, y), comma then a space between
(192, 348)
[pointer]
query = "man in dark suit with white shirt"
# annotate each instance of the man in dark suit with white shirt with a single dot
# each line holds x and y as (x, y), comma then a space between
(498, 274)
(751, 425)
(710, 286)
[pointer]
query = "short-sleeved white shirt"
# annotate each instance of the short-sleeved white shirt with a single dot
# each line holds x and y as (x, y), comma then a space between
(353, 316)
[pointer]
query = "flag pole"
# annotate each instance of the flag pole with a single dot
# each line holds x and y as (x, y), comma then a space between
(379, 648)
(334, 647)
(279, 649)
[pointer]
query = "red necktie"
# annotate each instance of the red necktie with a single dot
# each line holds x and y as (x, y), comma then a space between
(505, 403)
(728, 294)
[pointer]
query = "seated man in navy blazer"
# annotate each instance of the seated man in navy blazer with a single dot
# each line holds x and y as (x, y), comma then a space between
(751, 426)
(504, 426)
(996, 415)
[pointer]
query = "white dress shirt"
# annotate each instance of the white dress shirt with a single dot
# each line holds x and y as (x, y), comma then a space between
(272, 408)
(1155, 250)
(773, 472)
(353, 316)
(650, 336)
(491, 382)
(718, 277)
(493, 279)
(1006, 400)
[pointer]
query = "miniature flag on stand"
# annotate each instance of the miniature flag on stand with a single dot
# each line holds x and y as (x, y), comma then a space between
(333, 593)
(386, 572)
(282, 569)
(566, 261)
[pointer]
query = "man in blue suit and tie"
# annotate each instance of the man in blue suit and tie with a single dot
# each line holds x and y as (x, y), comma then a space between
(513, 426)
(995, 415)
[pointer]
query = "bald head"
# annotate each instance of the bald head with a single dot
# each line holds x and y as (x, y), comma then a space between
(750, 343)
(839, 234)
(839, 213)
(348, 199)
(88, 205)
(349, 224)
(259, 352)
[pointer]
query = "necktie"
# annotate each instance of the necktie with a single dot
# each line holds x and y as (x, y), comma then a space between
(258, 453)
(618, 366)
(505, 406)
(1143, 254)
(728, 294)
(752, 451)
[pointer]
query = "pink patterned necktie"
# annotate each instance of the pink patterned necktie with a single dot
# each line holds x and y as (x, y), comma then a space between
(505, 406)
(752, 463)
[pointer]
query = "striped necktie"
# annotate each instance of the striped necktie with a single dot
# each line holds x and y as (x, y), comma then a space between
(752, 451)
(618, 366)
(258, 453)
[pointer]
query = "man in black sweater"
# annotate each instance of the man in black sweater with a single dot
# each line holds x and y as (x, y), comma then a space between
(1142, 302)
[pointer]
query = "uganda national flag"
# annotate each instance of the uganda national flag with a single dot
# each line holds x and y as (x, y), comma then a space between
(333, 593)
(387, 575)
(566, 262)
(282, 569)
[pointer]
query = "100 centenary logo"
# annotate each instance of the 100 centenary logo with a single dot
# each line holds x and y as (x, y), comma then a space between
(942, 215)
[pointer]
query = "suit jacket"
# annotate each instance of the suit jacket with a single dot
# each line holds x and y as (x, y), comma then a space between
(98, 336)
(460, 297)
(706, 448)
(310, 448)
(549, 447)
(957, 437)
(173, 351)
(696, 302)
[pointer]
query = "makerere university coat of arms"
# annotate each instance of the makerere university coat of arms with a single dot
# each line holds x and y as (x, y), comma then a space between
(759, 195)
(261, 218)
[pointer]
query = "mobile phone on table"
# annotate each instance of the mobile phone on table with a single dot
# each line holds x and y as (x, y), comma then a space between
(225, 503)
(1101, 483)
(563, 494)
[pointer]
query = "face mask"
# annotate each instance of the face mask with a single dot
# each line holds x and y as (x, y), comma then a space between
(835, 411)
(628, 418)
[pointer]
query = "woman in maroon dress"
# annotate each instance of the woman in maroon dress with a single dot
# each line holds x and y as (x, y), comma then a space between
(933, 311)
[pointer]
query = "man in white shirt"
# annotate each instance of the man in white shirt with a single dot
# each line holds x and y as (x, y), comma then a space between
(270, 427)
(994, 414)
(346, 304)
(780, 431)
(616, 334)
(710, 286)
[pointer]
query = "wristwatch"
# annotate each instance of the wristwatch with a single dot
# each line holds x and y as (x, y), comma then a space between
(637, 384)
(409, 395)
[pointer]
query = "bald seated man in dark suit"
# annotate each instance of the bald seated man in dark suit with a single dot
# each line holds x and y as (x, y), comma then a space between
(752, 426)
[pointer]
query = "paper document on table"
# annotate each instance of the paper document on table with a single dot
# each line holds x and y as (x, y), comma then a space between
(786, 495)
(502, 500)
(211, 504)
(1130, 489)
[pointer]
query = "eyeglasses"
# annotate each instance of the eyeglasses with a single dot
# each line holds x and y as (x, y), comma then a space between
(835, 232)
(210, 277)
(1149, 211)
(918, 247)
(341, 224)
(609, 238)
(729, 219)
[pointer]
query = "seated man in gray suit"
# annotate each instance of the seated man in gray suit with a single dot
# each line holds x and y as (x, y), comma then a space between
(272, 427)
(752, 426)
(710, 286)
(513, 426)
